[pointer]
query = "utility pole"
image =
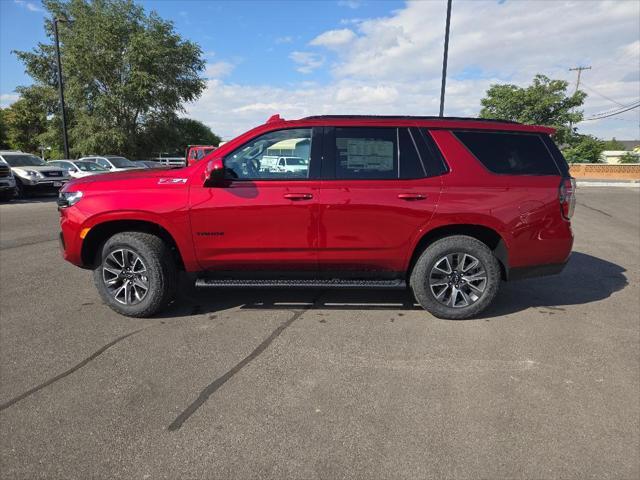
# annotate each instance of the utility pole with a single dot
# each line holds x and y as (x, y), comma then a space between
(579, 70)
(445, 57)
(61, 88)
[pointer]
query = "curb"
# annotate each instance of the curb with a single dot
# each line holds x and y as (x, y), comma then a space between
(632, 184)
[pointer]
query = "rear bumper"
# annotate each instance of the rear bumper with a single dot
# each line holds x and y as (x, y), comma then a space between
(520, 273)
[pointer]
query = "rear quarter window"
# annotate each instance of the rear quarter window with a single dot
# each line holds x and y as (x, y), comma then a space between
(510, 153)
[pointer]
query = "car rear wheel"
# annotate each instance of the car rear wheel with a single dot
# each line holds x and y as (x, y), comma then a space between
(456, 277)
(136, 275)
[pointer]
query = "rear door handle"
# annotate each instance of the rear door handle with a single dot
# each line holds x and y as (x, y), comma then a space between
(409, 197)
(298, 196)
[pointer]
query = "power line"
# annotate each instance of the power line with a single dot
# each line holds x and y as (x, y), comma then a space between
(601, 94)
(600, 117)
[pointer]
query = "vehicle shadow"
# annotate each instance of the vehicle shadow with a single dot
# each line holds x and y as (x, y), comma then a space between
(41, 198)
(585, 279)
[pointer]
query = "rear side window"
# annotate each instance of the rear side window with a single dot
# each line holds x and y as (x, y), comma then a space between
(510, 153)
(366, 153)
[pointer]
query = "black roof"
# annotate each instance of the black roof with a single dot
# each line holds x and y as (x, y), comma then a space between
(410, 117)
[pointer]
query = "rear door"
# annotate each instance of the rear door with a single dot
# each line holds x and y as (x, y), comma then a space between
(379, 190)
(261, 218)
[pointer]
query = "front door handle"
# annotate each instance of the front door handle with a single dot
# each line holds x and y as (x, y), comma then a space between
(298, 196)
(411, 197)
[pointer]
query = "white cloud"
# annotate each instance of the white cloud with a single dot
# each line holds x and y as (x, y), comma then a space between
(218, 69)
(7, 99)
(286, 39)
(32, 7)
(307, 61)
(352, 4)
(334, 38)
(392, 64)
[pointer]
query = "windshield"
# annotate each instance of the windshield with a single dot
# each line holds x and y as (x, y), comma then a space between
(24, 160)
(121, 162)
(90, 167)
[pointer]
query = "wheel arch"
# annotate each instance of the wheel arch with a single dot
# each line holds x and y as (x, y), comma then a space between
(487, 235)
(101, 232)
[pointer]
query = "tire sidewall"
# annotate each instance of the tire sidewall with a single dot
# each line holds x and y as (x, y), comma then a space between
(156, 295)
(456, 244)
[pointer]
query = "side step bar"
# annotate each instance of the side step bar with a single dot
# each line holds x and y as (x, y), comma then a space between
(277, 283)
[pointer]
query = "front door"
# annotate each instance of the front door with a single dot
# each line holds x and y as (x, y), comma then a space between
(263, 217)
(377, 194)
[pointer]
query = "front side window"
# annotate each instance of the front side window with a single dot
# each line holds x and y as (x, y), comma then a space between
(90, 167)
(103, 163)
(263, 158)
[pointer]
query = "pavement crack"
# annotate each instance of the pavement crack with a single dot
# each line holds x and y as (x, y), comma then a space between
(76, 367)
(220, 381)
(594, 209)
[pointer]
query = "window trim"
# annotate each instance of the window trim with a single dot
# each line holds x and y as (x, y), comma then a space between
(315, 157)
(505, 132)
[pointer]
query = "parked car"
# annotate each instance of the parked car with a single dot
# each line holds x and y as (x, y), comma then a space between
(7, 182)
(32, 174)
(283, 164)
(78, 168)
(195, 153)
(449, 207)
(112, 163)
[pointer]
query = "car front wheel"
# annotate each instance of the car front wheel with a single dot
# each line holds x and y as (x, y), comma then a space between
(456, 277)
(136, 275)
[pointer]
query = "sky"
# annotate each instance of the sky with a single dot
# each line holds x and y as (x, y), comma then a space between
(300, 58)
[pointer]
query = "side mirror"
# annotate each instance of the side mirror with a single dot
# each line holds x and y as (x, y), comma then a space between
(214, 173)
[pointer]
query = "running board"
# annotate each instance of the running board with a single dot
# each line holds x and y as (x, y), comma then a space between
(334, 283)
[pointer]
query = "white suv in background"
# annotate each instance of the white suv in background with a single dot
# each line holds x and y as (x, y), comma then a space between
(33, 174)
(77, 168)
(113, 163)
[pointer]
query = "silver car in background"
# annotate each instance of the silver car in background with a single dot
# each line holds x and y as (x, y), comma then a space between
(32, 174)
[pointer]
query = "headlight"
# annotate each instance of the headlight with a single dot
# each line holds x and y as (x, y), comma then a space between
(66, 199)
(33, 173)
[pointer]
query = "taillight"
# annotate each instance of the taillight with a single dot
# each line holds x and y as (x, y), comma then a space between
(567, 197)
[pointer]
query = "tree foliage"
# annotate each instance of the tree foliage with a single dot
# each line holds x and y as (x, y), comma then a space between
(544, 102)
(4, 140)
(584, 149)
(123, 70)
(630, 157)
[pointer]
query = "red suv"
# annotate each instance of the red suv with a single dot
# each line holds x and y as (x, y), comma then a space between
(446, 206)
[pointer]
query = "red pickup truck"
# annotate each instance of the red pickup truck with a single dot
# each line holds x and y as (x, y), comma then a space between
(449, 207)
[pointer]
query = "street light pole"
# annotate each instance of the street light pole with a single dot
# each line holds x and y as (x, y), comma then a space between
(445, 57)
(61, 89)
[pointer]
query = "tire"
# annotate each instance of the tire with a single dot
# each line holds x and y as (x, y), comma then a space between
(429, 280)
(21, 191)
(156, 269)
(6, 197)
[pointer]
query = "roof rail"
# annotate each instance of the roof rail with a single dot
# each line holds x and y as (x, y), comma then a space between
(410, 117)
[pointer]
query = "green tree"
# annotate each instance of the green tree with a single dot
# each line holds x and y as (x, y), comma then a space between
(30, 122)
(630, 157)
(4, 140)
(544, 102)
(613, 144)
(171, 136)
(584, 149)
(122, 69)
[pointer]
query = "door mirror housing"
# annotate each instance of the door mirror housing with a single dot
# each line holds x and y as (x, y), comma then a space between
(214, 173)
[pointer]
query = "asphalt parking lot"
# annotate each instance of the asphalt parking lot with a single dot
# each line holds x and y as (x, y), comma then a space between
(323, 384)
